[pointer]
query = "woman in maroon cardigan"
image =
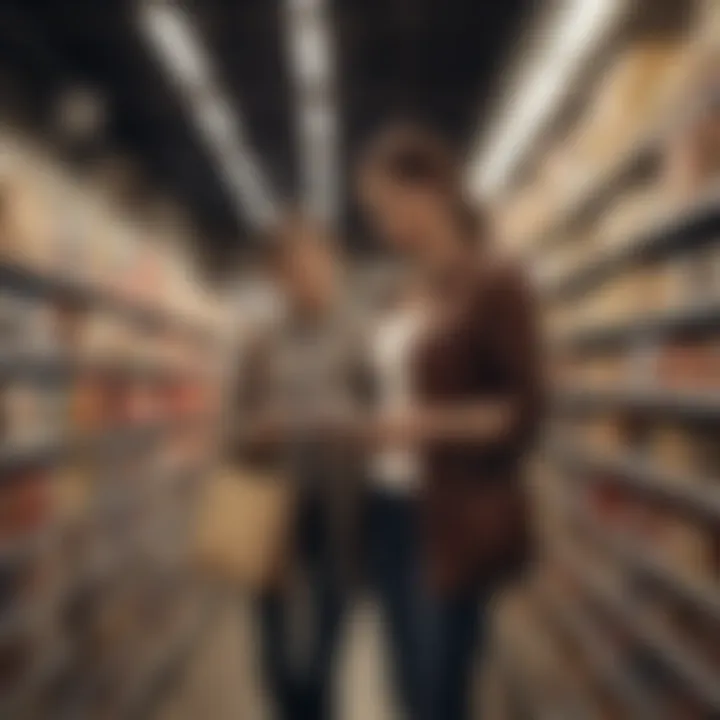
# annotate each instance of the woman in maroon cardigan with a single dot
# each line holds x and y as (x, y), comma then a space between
(478, 388)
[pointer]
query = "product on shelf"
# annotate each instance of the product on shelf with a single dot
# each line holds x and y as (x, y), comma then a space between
(24, 415)
(693, 155)
(628, 217)
(25, 224)
(25, 504)
(690, 365)
(26, 326)
(699, 275)
(627, 101)
(76, 529)
(89, 405)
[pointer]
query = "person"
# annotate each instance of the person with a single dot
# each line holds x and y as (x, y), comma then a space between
(393, 479)
(299, 383)
(479, 395)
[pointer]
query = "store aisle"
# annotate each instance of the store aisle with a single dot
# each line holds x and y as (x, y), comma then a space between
(221, 680)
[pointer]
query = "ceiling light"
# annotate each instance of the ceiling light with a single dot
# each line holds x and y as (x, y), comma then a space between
(184, 58)
(308, 38)
(574, 34)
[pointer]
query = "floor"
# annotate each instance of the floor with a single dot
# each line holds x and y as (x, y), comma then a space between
(221, 680)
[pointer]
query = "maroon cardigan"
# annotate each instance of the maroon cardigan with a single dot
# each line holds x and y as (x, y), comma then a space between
(487, 346)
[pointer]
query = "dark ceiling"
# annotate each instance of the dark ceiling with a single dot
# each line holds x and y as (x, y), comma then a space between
(435, 59)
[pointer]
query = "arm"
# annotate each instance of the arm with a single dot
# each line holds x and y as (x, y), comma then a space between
(507, 421)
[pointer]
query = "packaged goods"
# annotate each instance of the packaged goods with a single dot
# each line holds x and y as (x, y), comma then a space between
(631, 215)
(69, 257)
(603, 436)
(89, 410)
(24, 420)
(688, 548)
(663, 288)
(690, 365)
(627, 100)
(673, 449)
(69, 323)
(24, 504)
(693, 155)
(603, 372)
(25, 225)
(26, 326)
(103, 338)
(698, 275)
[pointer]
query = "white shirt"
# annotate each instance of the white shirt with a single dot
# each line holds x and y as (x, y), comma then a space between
(392, 349)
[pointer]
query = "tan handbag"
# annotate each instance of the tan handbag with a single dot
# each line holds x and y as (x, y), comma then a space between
(243, 528)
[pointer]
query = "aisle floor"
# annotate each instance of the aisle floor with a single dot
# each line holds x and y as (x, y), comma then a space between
(221, 681)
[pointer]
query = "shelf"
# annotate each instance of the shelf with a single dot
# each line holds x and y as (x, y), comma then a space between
(695, 225)
(695, 319)
(595, 190)
(629, 552)
(37, 453)
(697, 497)
(52, 367)
(606, 662)
(689, 406)
(689, 670)
(29, 282)
(43, 453)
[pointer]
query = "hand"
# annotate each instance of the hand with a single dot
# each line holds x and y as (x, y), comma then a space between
(401, 430)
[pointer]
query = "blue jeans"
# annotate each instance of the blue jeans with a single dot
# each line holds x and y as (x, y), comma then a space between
(434, 640)
(454, 638)
(395, 570)
(304, 693)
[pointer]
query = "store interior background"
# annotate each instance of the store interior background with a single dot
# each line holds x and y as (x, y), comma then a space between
(144, 146)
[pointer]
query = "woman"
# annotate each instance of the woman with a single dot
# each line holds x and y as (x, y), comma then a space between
(299, 385)
(478, 383)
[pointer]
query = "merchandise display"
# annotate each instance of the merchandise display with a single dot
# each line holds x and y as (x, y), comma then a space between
(109, 398)
(628, 266)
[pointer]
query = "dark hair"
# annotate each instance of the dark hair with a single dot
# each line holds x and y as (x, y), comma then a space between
(413, 155)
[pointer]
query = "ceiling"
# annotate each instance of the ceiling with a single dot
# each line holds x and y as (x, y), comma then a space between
(434, 59)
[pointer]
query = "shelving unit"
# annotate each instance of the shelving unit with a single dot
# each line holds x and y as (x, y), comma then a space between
(628, 271)
(103, 451)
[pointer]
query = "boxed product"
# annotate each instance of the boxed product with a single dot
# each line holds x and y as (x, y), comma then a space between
(693, 154)
(698, 275)
(68, 256)
(26, 223)
(690, 365)
(23, 412)
(693, 452)
(25, 504)
(627, 100)
(632, 214)
(89, 405)
(26, 325)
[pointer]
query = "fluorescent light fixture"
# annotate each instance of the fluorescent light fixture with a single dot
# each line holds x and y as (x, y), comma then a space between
(184, 58)
(574, 33)
(309, 56)
(175, 42)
